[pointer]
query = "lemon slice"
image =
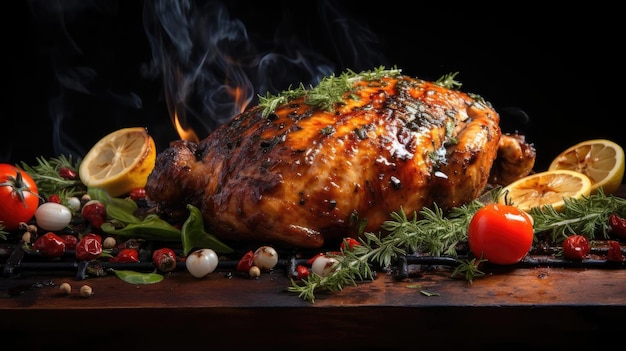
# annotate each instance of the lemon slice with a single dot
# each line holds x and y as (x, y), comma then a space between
(601, 160)
(119, 162)
(546, 188)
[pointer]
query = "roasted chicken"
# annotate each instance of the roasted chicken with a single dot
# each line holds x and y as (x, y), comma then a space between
(310, 167)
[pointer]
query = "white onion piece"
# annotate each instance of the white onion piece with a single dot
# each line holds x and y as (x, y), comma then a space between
(323, 265)
(52, 216)
(201, 262)
(73, 203)
(265, 257)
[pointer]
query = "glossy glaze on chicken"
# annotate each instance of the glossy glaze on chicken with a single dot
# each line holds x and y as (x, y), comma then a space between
(306, 171)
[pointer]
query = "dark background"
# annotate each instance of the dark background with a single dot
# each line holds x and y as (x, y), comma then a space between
(554, 75)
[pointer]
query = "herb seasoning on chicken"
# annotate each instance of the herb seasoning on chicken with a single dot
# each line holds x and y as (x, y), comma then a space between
(317, 165)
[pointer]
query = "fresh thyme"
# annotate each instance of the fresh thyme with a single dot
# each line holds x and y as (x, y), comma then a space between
(327, 93)
(46, 174)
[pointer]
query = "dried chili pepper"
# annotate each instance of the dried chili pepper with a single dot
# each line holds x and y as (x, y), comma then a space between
(89, 247)
(164, 259)
(618, 225)
(614, 254)
(576, 247)
(246, 262)
(50, 245)
(126, 256)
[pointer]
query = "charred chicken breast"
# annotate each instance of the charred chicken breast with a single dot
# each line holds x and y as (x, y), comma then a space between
(314, 166)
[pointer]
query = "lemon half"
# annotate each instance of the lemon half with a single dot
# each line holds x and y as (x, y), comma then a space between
(120, 161)
(546, 188)
(601, 160)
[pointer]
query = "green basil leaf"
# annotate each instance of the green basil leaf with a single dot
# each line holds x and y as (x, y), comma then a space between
(194, 236)
(151, 228)
(133, 277)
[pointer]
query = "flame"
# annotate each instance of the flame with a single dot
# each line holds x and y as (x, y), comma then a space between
(184, 133)
(241, 99)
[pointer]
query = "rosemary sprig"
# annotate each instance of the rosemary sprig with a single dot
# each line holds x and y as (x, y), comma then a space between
(435, 233)
(587, 216)
(48, 179)
(469, 269)
(448, 81)
(327, 93)
(351, 266)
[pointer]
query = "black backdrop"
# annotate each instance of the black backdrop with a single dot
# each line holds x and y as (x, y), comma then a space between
(555, 76)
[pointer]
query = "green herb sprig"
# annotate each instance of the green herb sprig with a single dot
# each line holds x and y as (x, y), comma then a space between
(327, 93)
(429, 231)
(586, 216)
(48, 179)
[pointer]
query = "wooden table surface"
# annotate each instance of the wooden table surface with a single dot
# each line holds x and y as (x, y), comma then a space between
(535, 307)
(543, 307)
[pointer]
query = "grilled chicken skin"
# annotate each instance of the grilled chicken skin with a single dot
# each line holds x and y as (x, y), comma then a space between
(305, 175)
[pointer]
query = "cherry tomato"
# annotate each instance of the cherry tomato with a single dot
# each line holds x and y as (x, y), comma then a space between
(500, 234)
(49, 245)
(19, 197)
(576, 247)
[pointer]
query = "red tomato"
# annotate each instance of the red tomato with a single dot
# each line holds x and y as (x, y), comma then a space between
(500, 234)
(19, 197)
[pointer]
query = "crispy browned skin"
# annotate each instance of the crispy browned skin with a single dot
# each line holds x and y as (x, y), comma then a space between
(516, 159)
(301, 175)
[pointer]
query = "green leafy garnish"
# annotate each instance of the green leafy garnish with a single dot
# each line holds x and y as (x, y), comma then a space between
(46, 174)
(194, 236)
(586, 216)
(150, 228)
(327, 93)
(133, 277)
